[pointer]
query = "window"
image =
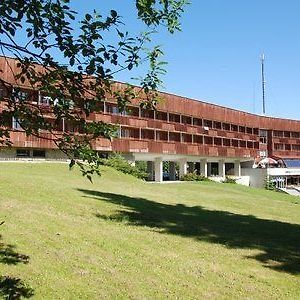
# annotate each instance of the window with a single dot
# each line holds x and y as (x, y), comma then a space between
(147, 134)
(23, 153)
(186, 138)
(130, 133)
(125, 133)
(208, 140)
(249, 130)
(44, 100)
(235, 143)
(296, 147)
(161, 135)
(16, 124)
(263, 136)
(160, 115)
(217, 141)
(278, 147)
(226, 126)
(198, 139)
(174, 136)
(132, 111)
(295, 135)
(234, 127)
(226, 142)
(278, 133)
(38, 153)
(243, 144)
(242, 129)
(249, 144)
(207, 123)
(197, 122)
(186, 120)
(217, 125)
(174, 118)
(148, 113)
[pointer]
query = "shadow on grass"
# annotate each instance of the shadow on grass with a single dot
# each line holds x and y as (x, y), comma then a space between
(9, 256)
(12, 287)
(278, 242)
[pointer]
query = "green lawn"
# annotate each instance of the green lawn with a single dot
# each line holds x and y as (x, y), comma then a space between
(65, 238)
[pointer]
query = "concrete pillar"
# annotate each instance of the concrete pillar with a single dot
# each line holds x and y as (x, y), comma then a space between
(182, 167)
(237, 168)
(150, 170)
(203, 167)
(191, 167)
(172, 170)
(158, 167)
(222, 168)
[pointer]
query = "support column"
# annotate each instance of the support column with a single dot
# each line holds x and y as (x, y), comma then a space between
(158, 167)
(222, 168)
(182, 167)
(237, 168)
(203, 167)
(150, 170)
(172, 170)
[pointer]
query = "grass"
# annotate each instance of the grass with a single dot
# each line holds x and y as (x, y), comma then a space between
(64, 238)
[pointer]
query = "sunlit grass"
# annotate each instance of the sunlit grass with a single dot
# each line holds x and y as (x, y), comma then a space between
(65, 238)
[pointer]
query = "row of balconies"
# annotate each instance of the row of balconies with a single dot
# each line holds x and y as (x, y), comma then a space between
(137, 146)
(171, 127)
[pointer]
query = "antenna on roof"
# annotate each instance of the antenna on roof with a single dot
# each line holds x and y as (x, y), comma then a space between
(263, 82)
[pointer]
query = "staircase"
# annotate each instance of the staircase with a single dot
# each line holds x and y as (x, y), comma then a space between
(291, 191)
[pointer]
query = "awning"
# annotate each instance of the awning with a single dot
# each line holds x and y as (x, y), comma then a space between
(291, 163)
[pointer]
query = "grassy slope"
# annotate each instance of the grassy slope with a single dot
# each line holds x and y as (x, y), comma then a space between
(121, 237)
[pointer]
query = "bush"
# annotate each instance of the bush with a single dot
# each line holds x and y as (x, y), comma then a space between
(229, 180)
(119, 163)
(193, 177)
(269, 184)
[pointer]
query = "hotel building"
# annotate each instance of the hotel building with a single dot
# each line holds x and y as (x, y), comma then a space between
(200, 137)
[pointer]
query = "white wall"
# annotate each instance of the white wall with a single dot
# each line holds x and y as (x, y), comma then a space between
(257, 176)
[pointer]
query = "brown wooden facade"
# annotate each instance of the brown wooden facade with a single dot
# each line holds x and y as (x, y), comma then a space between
(180, 126)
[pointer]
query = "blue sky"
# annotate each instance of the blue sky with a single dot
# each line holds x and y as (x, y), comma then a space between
(216, 56)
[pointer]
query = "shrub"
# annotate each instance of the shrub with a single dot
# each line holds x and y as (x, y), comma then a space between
(193, 177)
(229, 180)
(269, 184)
(119, 163)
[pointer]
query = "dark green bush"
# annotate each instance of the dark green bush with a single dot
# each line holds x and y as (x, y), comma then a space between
(193, 177)
(119, 163)
(229, 180)
(269, 184)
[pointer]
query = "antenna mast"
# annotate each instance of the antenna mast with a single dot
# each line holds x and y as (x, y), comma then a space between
(263, 82)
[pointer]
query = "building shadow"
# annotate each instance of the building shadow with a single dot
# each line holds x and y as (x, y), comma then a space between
(12, 287)
(278, 242)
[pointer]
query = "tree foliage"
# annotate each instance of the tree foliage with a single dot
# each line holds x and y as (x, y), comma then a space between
(78, 68)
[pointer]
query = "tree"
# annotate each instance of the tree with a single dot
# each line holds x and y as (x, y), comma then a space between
(82, 78)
